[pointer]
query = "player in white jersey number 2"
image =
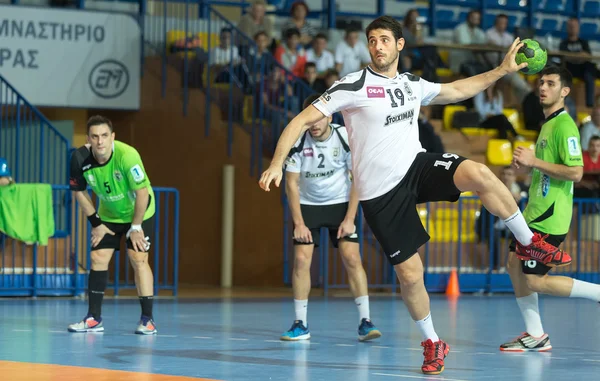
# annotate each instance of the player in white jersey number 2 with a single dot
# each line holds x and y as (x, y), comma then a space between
(393, 173)
(318, 186)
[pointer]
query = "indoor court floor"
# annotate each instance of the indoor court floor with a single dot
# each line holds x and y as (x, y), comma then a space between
(238, 339)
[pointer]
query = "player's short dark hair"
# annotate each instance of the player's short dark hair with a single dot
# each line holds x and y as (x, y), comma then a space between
(566, 78)
(594, 138)
(386, 23)
(97, 120)
(310, 99)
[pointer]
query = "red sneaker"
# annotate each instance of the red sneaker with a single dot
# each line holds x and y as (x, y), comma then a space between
(434, 353)
(543, 252)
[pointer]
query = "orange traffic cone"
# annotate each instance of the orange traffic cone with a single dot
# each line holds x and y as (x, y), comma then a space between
(453, 289)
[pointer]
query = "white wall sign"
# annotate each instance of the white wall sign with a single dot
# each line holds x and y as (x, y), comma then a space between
(71, 58)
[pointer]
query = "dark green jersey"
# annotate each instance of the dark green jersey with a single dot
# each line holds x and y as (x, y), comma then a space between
(550, 205)
(114, 182)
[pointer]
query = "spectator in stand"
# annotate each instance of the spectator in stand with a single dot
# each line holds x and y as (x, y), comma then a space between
(490, 106)
(533, 113)
(220, 57)
(312, 79)
(590, 128)
(351, 54)
(255, 21)
(414, 57)
(319, 54)
(299, 11)
(290, 54)
(589, 186)
(498, 36)
(580, 67)
(469, 33)
(330, 77)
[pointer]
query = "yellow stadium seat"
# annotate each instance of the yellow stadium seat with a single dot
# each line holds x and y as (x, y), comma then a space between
(443, 72)
(513, 117)
(444, 55)
(476, 131)
(449, 111)
(527, 144)
(499, 152)
(583, 117)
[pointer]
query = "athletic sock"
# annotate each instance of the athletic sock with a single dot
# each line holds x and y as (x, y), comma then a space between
(362, 303)
(146, 302)
(96, 287)
(426, 328)
(517, 225)
(531, 314)
(301, 307)
(585, 290)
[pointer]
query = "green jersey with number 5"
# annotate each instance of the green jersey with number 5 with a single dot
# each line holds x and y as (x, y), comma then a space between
(550, 205)
(114, 182)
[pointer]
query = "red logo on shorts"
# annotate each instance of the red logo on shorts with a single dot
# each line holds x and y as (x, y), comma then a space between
(307, 152)
(375, 92)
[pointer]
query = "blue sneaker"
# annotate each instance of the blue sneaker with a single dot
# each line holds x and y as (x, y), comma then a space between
(367, 330)
(297, 332)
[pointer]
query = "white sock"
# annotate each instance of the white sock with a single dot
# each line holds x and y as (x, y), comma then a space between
(362, 302)
(585, 290)
(517, 225)
(531, 314)
(301, 307)
(426, 328)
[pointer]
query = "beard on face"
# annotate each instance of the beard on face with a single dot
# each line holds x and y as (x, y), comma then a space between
(385, 65)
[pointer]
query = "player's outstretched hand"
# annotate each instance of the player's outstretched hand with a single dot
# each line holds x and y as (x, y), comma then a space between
(346, 228)
(271, 174)
(302, 234)
(509, 64)
(523, 157)
(99, 232)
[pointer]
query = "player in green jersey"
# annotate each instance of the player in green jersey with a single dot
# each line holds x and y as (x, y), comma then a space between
(115, 172)
(556, 164)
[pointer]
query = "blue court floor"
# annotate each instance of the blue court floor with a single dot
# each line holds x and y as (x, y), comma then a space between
(238, 339)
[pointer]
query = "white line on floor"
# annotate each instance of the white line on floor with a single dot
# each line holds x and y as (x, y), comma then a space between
(236, 339)
(590, 360)
(272, 341)
(21, 330)
(380, 346)
(484, 353)
(58, 331)
(344, 345)
(421, 377)
(414, 349)
(201, 337)
(167, 335)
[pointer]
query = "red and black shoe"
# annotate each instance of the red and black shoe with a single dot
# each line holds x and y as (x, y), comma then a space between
(541, 251)
(434, 353)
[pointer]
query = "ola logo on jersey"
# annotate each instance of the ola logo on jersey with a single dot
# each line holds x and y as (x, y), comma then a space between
(118, 176)
(336, 151)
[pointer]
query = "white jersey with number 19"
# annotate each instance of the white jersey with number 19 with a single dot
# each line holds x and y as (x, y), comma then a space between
(381, 116)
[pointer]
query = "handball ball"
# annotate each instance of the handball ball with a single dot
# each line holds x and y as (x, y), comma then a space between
(534, 54)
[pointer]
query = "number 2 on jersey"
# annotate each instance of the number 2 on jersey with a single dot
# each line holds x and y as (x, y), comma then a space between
(322, 157)
(398, 93)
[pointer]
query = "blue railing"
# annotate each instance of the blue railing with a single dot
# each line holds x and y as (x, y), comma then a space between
(35, 150)
(62, 267)
(463, 237)
(253, 91)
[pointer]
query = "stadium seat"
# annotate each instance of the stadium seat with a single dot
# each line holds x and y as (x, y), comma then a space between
(499, 152)
(524, 143)
(477, 131)
(549, 24)
(449, 111)
(513, 117)
(583, 117)
(591, 8)
(588, 29)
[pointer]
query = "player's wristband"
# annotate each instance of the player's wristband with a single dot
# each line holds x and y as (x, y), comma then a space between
(136, 228)
(95, 220)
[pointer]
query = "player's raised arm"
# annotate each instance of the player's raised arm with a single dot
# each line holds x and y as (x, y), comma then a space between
(289, 136)
(462, 89)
